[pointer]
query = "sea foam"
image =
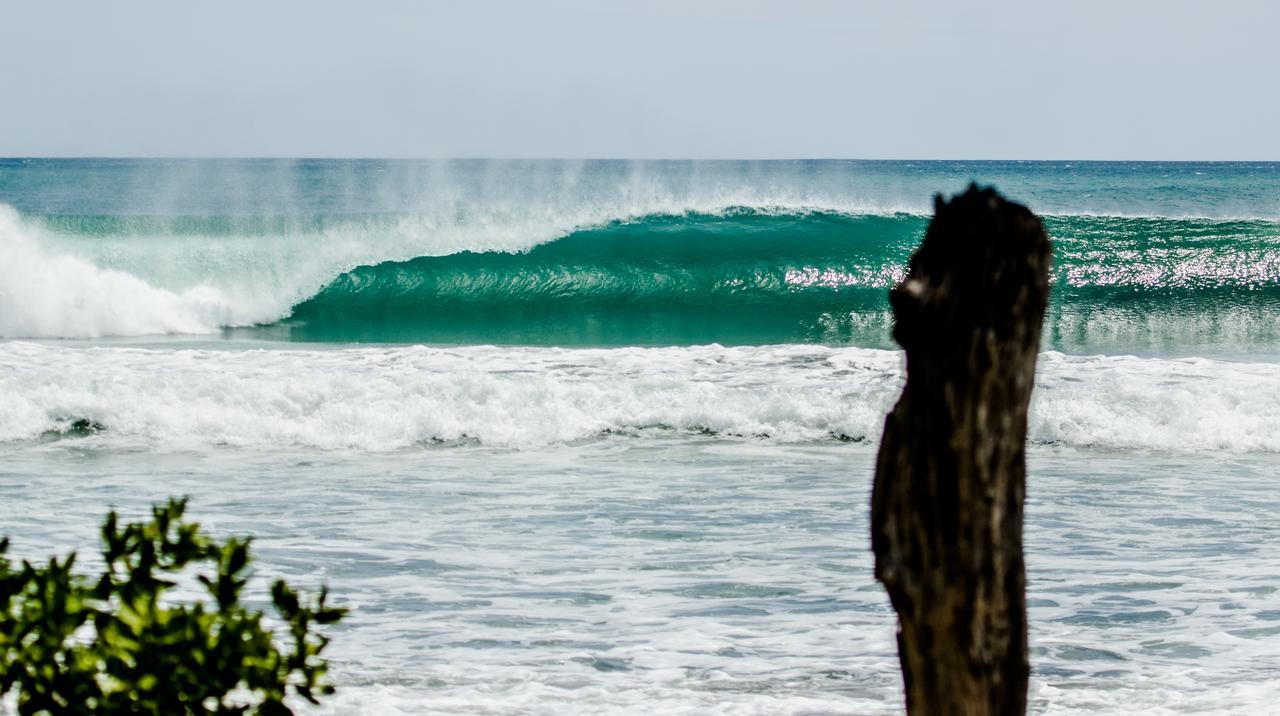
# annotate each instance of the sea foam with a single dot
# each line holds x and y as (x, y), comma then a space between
(44, 294)
(396, 398)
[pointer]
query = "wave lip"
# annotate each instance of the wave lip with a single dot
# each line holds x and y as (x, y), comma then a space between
(398, 398)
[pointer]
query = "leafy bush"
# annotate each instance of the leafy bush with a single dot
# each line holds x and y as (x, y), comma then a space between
(121, 642)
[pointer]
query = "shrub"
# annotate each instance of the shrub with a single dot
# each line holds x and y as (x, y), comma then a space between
(122, 642)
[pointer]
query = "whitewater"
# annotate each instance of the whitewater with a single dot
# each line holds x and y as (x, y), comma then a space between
(401, 398)
(597, 437)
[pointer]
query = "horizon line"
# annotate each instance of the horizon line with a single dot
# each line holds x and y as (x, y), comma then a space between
(282, 157)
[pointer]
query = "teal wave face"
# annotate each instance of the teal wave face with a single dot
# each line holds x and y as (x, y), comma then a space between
(752, 276)
(741, 278)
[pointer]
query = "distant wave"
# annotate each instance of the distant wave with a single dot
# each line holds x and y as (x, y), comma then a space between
(411, 397)
(731, 274)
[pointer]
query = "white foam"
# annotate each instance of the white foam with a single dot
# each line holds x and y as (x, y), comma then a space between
(382, 399)
(1160, 404)
(54, 295)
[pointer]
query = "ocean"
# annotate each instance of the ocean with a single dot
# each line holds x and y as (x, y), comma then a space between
(598, 436)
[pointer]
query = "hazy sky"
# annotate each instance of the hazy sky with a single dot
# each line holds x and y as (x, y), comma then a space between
(1076, 79)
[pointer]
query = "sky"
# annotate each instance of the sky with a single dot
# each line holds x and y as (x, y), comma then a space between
(904, 79)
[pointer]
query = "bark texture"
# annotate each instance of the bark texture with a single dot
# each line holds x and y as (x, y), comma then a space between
(947, 505)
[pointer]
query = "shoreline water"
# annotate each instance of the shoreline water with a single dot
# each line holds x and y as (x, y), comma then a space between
(702, 574)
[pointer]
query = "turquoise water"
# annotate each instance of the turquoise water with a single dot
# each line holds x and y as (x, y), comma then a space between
(617, 254)
(597, 436)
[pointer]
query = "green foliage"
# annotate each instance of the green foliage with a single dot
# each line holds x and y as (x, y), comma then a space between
(120, 643)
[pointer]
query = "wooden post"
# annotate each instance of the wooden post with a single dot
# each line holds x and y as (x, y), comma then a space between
(946, 513)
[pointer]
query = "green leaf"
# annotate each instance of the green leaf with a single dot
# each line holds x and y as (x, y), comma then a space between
(144, 658)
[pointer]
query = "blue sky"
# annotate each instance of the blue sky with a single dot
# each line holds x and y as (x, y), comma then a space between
(1123, 79)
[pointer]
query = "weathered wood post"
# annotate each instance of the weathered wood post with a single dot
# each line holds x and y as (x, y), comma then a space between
(946, 513)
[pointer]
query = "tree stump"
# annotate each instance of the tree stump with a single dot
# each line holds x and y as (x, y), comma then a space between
(947, 505)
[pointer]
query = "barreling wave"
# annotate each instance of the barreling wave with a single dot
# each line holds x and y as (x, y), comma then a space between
(748, 277)
(729, 275)
(743, 276)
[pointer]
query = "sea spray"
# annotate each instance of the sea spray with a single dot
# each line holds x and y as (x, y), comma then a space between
(55, 295)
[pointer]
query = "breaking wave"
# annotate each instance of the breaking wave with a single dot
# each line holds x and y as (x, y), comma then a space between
(394, 398)
(731, 275)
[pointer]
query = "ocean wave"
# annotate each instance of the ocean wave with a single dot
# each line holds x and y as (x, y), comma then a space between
(727, 274)
(410, 397)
